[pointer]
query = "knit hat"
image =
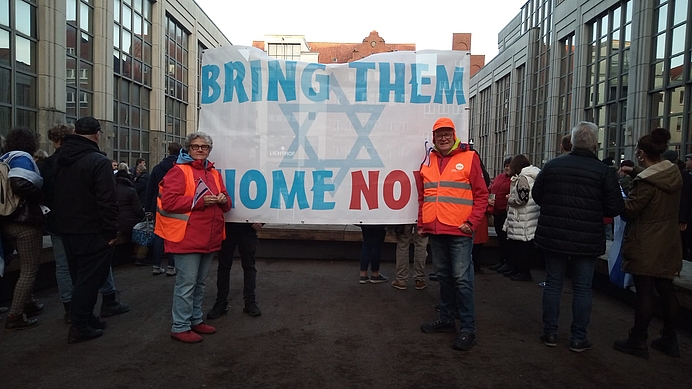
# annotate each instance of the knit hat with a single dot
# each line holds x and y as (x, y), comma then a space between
(444, 123)
(670, 155)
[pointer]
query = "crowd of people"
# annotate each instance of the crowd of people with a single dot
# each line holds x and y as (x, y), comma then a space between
(90, 204)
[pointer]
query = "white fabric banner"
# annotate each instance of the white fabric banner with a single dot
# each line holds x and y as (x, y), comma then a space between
(311, 143)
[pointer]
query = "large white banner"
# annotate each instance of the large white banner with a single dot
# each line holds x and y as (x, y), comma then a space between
(312, 143)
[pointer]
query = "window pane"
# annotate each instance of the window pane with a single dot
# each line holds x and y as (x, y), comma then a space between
(678, 44)
(5, 13)
(676, 69)
(71, 37)
(662, 18)
(26, 118)
(137, 25)
(680, 11)
(85, 47)
(116, 61)
(26, 54)
(657, 104)
(127, 42)
(134, 117)
(26, 90)
(24, 20)
(5, 48)
(677, 100)
(5, 86)
(658, 75)
(138, 5)
(116, 35)
(85, 17)
(127, 17)
(86, 76)
(660, 46)
(675, 129)
(71, 72)
(116, 10)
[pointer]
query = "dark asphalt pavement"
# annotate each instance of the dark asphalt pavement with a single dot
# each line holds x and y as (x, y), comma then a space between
(320, 328)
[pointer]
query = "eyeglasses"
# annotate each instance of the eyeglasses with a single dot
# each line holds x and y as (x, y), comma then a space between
(445, 136)
(200, 147)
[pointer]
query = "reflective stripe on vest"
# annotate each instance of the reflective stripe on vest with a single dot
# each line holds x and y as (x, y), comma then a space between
(447, 196)
(172, 226)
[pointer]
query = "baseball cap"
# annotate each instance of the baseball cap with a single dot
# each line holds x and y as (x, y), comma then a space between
(443, 123)
(87, 126)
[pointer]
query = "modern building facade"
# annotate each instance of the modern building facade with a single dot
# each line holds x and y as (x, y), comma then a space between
(132, 64)
(625, 65)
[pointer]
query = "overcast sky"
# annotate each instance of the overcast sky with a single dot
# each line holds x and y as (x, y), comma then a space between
(428, 24)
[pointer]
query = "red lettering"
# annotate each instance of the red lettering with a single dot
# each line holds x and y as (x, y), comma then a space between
(368, 190)
(388, 190)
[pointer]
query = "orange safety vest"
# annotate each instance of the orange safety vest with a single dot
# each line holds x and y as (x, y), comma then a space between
(172, 226)
(447, 196)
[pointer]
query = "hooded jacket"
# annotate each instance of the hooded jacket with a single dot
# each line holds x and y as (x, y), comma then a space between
(522, 213)
(651, 246)
(85, 199)
(575, 191)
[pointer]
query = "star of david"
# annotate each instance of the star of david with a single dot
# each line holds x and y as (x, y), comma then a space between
(362, 130)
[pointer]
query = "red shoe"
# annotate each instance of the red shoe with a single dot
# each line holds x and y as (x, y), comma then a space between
(186, 337)
(202, 328)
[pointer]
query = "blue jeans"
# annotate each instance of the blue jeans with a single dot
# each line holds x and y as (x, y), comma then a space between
(188, 294)
(582, 276)
(62, 272)
(158, 253)
(451, 256)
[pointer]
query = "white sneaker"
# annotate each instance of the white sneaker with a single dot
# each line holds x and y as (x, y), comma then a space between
(170, 272)
(157, 270)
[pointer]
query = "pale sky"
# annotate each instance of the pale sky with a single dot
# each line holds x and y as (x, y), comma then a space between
(428, 24)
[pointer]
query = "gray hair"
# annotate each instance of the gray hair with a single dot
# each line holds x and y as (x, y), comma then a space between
(123, 166)
(195, 135)
(585, 136)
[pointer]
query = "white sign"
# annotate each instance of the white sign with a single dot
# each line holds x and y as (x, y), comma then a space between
(316, 143)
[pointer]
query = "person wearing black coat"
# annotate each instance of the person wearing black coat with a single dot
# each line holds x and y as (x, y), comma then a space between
(130, 211)
(151, 194)
(575, 191)
(141, 181)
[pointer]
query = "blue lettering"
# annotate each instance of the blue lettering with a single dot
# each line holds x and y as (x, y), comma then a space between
(416, 75)
(280, 190)
(256, 71)
(211, 90)
(235, 74)
(456, 87)
(386, 86)
(322, 80)
(248, 178)
(230, 185)
(318, 189)
(276, 77)
(362, 78)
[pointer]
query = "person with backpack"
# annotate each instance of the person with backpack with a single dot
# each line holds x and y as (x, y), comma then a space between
(23, 223)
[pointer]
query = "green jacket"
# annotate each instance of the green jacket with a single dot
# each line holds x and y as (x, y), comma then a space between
(651, 245)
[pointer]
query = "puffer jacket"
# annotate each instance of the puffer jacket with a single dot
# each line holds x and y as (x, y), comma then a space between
(651, 246)
(522, 216)
(205, 227)
(575, 191)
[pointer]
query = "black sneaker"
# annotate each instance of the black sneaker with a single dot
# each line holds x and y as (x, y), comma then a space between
(437, 326)
(363, 280)
(505, 268)
(252, 309)
(432, 276)
(522, 276)
(19, 322)
(465, 341)
(217, 310)
(81, 335)
(378, 279)
(549, 340)
(578, 347)
(96, 323)
(496, 266)
(114, 308)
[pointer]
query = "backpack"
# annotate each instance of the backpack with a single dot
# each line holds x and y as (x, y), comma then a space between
(9, 202)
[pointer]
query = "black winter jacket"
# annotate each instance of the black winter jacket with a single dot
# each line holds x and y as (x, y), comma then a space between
(141, 186)
(155, 178)
(575, 192)
(85, 200)
(130, 211)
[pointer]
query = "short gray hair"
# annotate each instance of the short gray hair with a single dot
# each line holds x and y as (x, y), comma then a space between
(196, 135)
(585, 136)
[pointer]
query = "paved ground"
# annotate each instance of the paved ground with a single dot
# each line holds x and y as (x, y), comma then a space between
(321, 329)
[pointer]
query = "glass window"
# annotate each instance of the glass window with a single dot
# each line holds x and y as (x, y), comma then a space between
(5, 47)
(25, 54)
(660, 46)
(680, 11)
(662, 17)
(127, 17)
(84, 17)
(678, 40)
(116, 10)
(677, 100)
(5, 12)
(24, 21)
(26, 90)
(5, 89)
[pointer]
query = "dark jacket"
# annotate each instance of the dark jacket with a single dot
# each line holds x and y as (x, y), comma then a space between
(141, 186)
(575, 192)
(651, 246)
(685, 198)
(86, 201)
(130, 211)
(27, 189)
(48, 189)
(157, 174)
